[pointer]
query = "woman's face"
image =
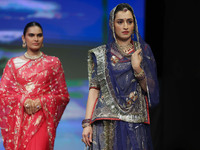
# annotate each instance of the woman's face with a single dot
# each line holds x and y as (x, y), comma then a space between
(123, 25)
(33, 38)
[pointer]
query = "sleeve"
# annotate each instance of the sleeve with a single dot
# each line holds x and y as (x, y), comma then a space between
(150, 70)
(55, 101)
(92, 72)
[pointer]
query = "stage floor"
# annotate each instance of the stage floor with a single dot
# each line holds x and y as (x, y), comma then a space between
(69, 131)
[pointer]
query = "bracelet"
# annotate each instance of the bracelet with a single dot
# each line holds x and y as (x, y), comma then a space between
(86, 123)
(140, 76)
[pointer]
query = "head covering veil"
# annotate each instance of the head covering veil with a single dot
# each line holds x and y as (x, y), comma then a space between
(112, 36)
(148, 63)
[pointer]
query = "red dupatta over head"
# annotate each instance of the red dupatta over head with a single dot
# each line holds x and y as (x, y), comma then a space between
(42, 78)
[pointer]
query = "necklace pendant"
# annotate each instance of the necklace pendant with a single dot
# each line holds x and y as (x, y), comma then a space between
(125, 50)
(114, 59)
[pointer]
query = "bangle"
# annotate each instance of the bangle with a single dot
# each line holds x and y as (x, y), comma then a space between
(85, 125)
(140, 76)
(86, 122)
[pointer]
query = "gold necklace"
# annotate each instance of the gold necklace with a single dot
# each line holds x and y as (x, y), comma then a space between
(125, 49)
(26, 55)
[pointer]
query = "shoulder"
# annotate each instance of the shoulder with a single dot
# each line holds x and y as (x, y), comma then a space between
(98, 49)
(52, 59)
(10, 61)
(8, 64)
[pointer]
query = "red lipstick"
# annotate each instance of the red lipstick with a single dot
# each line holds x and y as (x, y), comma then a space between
(36, 44)
(125, 32)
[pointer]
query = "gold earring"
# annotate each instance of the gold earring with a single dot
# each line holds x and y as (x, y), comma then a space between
(24, 44)
(42, 45)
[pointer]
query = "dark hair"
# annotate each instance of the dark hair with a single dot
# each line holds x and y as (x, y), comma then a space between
(121, 7)
(31, 24)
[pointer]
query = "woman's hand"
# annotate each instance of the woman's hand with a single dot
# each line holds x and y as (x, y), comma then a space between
(87, 135)
(29, 106)
(32, 106)
(136, 59)
(37, 105)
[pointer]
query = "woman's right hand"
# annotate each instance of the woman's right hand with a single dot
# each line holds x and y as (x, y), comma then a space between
(87, 135)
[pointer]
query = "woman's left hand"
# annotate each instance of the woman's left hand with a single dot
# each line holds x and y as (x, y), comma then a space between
(136, 59)
(37, 105)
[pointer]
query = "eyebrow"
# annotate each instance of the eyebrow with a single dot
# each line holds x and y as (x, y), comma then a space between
(126, 19)
(35, 34)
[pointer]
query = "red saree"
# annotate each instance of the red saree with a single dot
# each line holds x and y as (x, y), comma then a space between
(43, 79)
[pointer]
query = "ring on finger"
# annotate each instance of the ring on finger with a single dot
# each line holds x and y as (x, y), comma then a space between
(27, 106)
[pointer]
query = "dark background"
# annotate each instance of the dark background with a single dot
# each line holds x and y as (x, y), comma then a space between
(172, 30)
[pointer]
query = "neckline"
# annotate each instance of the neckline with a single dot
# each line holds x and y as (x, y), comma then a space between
(20, 59)
(12, 60)
(28, 61)
(116, 47)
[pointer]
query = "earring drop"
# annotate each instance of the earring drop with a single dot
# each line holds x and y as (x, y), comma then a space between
(24, 44)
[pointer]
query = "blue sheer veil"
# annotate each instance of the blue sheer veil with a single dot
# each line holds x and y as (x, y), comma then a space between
(148, 62)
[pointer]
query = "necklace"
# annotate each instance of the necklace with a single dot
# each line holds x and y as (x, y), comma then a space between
(32, 57)
(124, 50)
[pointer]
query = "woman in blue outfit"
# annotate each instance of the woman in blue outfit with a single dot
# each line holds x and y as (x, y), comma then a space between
(123, 85)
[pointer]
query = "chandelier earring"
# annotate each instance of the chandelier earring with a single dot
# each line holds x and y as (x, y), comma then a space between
(24, 44)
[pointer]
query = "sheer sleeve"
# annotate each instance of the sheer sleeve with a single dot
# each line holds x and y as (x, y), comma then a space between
(150, 69)
(92, 73)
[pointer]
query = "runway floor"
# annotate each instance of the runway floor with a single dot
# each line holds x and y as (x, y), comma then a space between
(69, 129)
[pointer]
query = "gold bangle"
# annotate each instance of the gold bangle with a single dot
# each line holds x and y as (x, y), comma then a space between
(141, 73)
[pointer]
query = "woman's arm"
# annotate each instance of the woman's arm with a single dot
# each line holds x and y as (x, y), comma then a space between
(143, 82)
(87, 131)
(92, 96)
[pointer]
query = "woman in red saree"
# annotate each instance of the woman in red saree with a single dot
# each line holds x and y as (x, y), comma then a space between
(33, 96)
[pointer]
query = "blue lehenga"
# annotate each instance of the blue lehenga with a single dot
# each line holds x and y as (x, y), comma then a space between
(121, 135)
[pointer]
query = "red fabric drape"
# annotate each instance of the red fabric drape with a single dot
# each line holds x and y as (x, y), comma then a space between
(43, 79)
(40, 139)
